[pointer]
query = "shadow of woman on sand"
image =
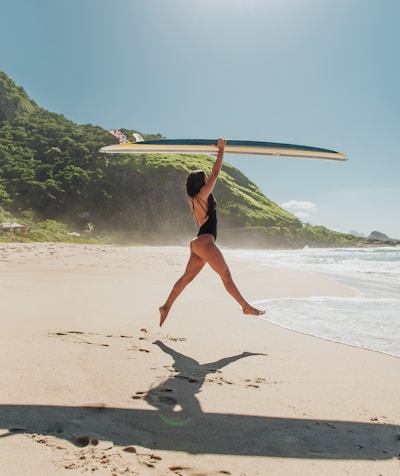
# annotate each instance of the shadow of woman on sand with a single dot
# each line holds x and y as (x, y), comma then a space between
(175, 397)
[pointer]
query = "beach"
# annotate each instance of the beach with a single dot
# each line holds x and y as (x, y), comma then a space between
(90, 384)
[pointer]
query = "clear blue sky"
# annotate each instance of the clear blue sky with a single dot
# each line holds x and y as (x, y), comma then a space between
(323, 73)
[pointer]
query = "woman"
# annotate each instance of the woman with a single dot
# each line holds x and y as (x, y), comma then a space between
(203, 249)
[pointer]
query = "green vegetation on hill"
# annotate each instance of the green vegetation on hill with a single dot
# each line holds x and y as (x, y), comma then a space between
(50, 169)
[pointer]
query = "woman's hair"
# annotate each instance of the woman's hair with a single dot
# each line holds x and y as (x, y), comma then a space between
(194, 182)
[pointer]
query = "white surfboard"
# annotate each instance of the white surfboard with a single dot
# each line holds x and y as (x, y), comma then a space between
(209, 146)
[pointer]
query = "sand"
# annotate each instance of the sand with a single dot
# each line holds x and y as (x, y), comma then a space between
(91, 385)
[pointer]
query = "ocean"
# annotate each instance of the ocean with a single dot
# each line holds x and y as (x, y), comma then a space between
(371, 320)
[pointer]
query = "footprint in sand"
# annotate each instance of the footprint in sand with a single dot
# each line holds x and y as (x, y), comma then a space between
(164, 399)
(167, 400)
(188, 379)
(151, 336)
(92, 338)
(139, 395)
(86, 441)
(186, 471)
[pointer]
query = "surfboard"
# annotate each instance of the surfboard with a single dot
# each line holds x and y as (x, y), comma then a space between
(237, 147)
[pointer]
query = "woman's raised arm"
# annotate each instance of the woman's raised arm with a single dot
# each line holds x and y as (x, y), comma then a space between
(209, 186)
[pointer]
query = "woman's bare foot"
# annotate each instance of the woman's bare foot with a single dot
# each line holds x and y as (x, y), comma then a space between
(163, 314)
(250, 310)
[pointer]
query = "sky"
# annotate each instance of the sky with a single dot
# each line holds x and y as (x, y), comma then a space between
(322, 73)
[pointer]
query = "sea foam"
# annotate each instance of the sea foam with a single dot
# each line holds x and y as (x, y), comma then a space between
(371, 320)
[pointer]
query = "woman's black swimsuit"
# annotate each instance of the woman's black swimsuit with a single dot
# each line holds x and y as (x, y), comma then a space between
(210, 226)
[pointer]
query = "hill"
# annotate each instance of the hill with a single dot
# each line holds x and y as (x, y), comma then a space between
(50, 169)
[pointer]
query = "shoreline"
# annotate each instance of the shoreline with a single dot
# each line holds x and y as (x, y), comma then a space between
(92, 384)
(327, 339)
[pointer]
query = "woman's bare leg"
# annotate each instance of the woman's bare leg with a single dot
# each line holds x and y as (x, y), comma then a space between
(193, 268)
(210, 253)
